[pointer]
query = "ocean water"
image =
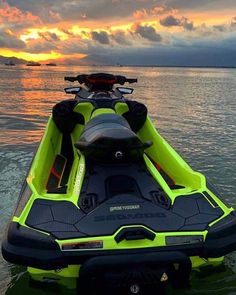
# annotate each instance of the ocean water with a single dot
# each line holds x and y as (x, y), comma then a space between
(194, 109)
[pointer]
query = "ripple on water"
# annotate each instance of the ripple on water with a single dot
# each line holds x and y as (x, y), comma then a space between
(13, 167)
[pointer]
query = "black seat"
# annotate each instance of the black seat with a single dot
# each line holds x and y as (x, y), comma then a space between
(109, 138)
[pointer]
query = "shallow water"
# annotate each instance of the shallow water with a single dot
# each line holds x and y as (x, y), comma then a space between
(194, 109)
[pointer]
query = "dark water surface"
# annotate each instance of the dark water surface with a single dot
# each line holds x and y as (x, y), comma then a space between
(194, 109)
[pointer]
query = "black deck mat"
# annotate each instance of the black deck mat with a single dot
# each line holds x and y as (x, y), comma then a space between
(64, 220)
(103, 182)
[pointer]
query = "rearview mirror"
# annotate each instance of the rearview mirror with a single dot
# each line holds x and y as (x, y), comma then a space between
(72, 90)
(125, 90)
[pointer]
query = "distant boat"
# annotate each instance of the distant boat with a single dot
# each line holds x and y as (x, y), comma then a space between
(51, 64)
(33, 64)
(9, 63)
(119, 65)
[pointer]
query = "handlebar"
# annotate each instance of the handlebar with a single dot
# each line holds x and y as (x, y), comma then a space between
(130, 81)
(71, 79)
(101, 78)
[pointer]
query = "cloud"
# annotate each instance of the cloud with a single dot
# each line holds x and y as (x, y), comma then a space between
(14, 18)
(51, 11)
(85, 11)
(73, 46)
(43, 9)
(161, 9)
(39, 46)
(227, 27)
(223, 30)
(106, 30)
(48, 36)
(186, 24)
(220, 28)
(233, 21)
(138, 14)
(201, 5)
(122, 38)
(8, 40)
(208, 53)
(148, 32)
(171, 21)
(101, 37)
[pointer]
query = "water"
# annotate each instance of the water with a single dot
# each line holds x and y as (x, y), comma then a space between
(194, 109)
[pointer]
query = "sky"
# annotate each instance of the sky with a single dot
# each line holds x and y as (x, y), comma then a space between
(129, 32)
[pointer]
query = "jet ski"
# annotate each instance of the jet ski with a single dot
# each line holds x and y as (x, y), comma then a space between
(108, 204)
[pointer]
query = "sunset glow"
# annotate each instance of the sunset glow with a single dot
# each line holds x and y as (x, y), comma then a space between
(114, 31)
(34, 33)
(31, 56)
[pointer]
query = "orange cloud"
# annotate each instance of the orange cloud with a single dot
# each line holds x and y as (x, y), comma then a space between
(158, 10)
(139, 14)
(210, 19)
(36, 33)
(14, 15)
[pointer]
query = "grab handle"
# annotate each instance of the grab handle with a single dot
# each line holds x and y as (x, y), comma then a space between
(134, 233)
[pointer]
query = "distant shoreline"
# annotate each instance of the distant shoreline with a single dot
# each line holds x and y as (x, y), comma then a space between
(172, 66)
(139, 66)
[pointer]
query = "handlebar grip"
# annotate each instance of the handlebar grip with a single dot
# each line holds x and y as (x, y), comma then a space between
(71, 79)
(82, 78)
(120, 80)
(132, 80)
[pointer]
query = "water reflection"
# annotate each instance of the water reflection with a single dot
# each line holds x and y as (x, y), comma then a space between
(21, 278)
